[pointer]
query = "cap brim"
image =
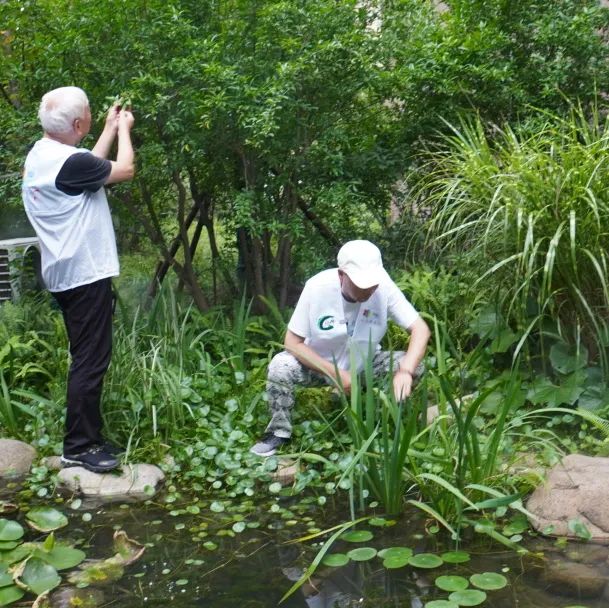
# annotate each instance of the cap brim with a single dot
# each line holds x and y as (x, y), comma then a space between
(366, 280)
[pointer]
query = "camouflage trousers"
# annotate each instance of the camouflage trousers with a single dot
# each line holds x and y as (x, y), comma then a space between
(286, 373)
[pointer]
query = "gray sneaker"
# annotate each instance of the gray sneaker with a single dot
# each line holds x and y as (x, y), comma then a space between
(268, 445)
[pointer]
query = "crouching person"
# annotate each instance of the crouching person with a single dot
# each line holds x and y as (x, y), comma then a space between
(341, 311)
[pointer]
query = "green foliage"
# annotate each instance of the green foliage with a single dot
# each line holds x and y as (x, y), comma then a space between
(287, 122)
(496, 58)
(532, 210)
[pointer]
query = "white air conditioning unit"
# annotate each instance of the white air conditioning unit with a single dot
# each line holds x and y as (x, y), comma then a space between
(19, 267)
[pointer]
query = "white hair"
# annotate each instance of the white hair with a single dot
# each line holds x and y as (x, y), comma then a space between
(59, 109)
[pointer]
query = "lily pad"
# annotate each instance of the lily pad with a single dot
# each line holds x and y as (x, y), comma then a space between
(6, 508)
(10, 530)
(468, 597)
(335, 560)
(455, 557)
(489, 581)
(39, 576)
(7, 545)
(395, 552)
(10, 594)
(61, 557)
(441, 604)
(362, 554)
(357, 536)
(46, 519)
(425, 560)
(451, 583)
(380, 522)
(17, 554)
(127, 550)
(392, 563)
(6, 578)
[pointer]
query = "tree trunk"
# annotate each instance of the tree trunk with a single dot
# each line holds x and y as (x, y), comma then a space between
(188, 275)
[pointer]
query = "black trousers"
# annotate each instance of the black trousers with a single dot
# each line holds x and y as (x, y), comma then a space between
(87, 313)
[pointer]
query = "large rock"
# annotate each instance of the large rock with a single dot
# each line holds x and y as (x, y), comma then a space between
(575, 489)
(575, 579)
(16, 458)
(135, 481)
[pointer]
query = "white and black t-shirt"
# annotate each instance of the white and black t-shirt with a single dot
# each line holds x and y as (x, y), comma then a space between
(82, 172)
(67, 207)
(351, 311)
(336, 329)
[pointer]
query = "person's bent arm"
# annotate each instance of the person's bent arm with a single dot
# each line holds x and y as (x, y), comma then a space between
(295, 345)
(404, 375)
(123, 168)
(104, 143)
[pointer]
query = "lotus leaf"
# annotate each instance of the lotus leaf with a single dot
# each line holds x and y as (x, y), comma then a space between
(39, 576)
(357, 536)
(61, 557)
(425, 560)
(46, 519)
(380, 522)
(7, 545)
(6, 579)
(362, 554)
(10, 530)
(467, 597)
(441, 604)
(10, 594)
(335, 560)
(395, 562)
(455, 557)
(17, 554)
(451, 583)
(395, 552)
(489, 581)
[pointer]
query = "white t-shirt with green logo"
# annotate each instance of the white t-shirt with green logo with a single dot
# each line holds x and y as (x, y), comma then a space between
(321, 318)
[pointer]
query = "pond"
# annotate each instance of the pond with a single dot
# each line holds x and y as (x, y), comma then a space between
(199, 560)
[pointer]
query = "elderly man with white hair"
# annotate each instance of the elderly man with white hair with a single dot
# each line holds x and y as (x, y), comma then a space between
(64, 198)
(342, 313)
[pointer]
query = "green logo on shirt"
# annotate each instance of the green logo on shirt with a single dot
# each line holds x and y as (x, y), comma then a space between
(325, 323)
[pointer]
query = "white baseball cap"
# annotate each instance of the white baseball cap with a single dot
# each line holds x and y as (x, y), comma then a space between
(361, 261)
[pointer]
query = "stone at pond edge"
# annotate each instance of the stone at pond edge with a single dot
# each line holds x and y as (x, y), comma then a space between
(53, 463)
(286, 471)
(572, 492)
(135, 480)
(16, 458)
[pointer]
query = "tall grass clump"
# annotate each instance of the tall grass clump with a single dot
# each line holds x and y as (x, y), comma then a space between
(531, 206)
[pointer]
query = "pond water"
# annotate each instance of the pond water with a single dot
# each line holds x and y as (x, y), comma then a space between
(254, 568)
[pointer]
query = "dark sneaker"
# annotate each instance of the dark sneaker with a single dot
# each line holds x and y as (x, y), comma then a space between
(268, 445)
(112, 449)
(94, 459)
